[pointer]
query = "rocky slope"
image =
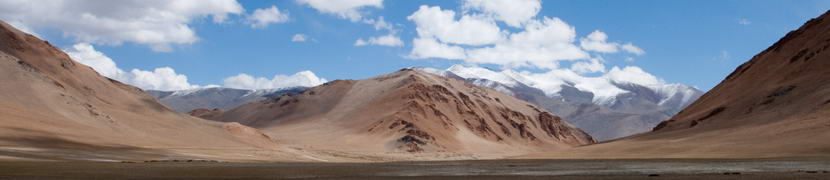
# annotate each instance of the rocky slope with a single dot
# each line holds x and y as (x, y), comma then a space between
(216, 97)
(620, 109)
(775, 105)
(52, 107)
(409, 111)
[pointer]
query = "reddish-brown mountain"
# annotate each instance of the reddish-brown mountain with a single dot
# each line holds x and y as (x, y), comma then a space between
(52, 107)
(409, 111)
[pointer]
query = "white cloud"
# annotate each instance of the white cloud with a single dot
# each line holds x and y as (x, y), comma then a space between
(632, 74)
(432, 22)
(262, 17)
(166, 78)
(596, 41)
(380, 24)
(475, 38)
(22, 27)
(156, 23)
(423, 48)
(346, 9)
(512, 12)
(245, 81)
(592, 66)
(744, 21)
(631, 48)
(299, 38)
(361, 42)
(163, 78)
(386, 40)
(87, 55)
(542, 44)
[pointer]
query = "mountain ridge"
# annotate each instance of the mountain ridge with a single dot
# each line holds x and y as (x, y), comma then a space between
(635, 108)
(216, 97)
(54, 108)
(410, 111)
(775, 105)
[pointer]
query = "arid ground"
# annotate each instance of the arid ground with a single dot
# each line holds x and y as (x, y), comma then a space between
(800, 168)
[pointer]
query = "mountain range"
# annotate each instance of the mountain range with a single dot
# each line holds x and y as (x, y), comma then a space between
(606, 108)
(216, 97)
(775, 105)
(54, 108)
(619, 109)
(408, 111)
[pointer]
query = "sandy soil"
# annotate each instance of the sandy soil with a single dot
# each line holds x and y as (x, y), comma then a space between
(491, 169)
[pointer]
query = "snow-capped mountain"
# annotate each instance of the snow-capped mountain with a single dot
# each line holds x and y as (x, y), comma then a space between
(622, 102)
(216, 97)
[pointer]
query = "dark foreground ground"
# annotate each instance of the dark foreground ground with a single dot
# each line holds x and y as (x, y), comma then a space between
(804, 168)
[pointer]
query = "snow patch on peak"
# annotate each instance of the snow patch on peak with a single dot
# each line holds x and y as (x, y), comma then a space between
(484, 73)
(430, 70)
(669, 92)
(186, 92)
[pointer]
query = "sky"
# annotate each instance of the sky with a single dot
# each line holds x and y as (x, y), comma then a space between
(260, 44)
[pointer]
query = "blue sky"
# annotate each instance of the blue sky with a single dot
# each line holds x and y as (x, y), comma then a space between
(695, 43)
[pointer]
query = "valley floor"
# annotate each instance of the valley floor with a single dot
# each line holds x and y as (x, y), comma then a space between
(801, 168)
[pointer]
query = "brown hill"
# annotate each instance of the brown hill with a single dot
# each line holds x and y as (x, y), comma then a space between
(52, 107)
(205, 113)
(775, 105)
(408, 112)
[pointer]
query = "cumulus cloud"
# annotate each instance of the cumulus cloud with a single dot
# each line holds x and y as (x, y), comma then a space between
(163, 78)
(433, 22)
(542, 44)
(299, 38)
(262, 17)
(596, 41)
(632, 74)
(346, 9)
(473, 36)
(361, 42)
(386, 40)
(166, 78)
(158, 24)
(353, 10)
(477, 39)
(512, 12)
(245, 81)
(423, 48)
(631, 48)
